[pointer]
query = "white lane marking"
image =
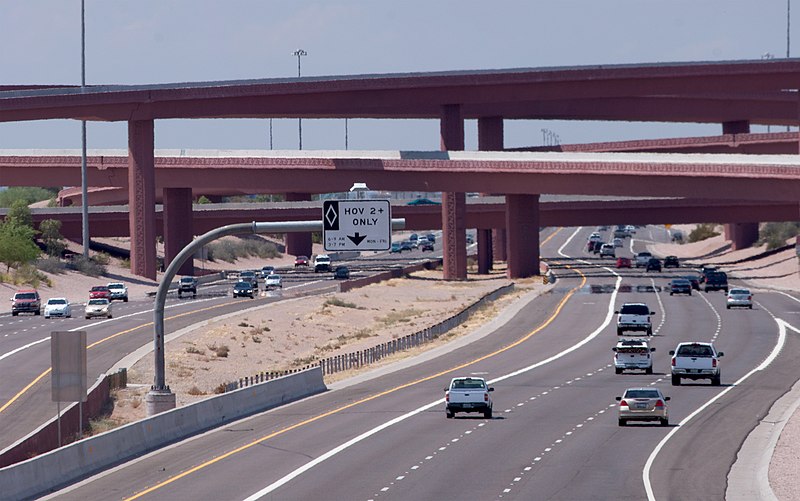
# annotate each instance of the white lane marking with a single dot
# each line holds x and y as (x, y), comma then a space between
(770, 358)
(336, 450)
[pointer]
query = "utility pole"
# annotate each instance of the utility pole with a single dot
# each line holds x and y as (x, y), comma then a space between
(84, 180)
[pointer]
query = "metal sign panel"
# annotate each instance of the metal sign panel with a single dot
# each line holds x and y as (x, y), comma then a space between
(356, 225)
(68, 358)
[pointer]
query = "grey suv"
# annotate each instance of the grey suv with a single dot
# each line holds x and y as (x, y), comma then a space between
(188, 285)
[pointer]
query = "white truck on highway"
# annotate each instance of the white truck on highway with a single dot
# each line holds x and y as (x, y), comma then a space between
(468, 394)
(694, 361)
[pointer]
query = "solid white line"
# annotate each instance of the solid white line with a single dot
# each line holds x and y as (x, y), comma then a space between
(650, 460)
(299, 471)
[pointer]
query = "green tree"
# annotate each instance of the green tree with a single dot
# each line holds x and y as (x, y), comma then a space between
(50, 230)
(20, 214)
(27, 194)
(16, 245)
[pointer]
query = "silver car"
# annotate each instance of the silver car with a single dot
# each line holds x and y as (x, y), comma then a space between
(643, 404)
(98, 307)
(739, 297)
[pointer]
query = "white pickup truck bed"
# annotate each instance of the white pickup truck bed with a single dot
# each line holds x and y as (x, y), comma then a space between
(695, 361)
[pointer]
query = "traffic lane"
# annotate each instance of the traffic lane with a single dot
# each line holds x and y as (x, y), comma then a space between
(720, 430)
(26, 400)
(320, 404)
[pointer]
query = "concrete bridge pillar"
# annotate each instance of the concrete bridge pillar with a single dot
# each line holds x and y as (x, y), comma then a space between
(736, 127)
(454, 205)
(142, 197)
(490, 138)
(499, 244)
(522, 225)
(299, 244)
(178, 227)
(484, 251)
(741, 235)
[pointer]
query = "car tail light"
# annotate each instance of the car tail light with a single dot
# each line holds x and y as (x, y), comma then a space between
(660, 403)
(623, 403)
(485, 397)
(749, 298)
(673, 362)
(447, 397)
(713, 362)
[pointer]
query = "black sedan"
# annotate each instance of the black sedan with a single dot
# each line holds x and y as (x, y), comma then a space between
(671, 262)
(654, 264)
(243, 288)
(680, 286)
(341, 273)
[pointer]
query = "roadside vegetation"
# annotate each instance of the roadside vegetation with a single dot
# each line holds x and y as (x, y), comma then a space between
(28, 195)
(231, 249)
(703, 232)
(775, 235)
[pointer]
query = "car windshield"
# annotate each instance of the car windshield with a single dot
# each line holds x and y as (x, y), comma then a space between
(695, 350)
(186, 280)
(243, 284)
(745, 292)
(634, 309)
(115, 286)
(632, 350)
(98, 301)
(99, 288)
(680, 281)
(25, 295)
(274, 277)
(642, 394)
(57, 301)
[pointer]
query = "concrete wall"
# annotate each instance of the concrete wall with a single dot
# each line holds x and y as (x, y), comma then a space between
(68, 464)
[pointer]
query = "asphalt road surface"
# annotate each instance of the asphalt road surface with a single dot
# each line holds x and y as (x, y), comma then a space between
(554, 434)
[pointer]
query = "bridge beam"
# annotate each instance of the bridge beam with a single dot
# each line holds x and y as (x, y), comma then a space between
(522, 224)
(142, 197)
(736, 127)
(454, 204)
(178, 226)
(299, 244)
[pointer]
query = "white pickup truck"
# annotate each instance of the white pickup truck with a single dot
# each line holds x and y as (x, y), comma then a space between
(695, 361)
(633, 354)
(468, 394)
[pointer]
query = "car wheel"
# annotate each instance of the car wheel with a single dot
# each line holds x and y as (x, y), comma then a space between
(14, 313)
(649, 332)
(37, 312)
(664, 422)
(194, 296)
(690, 293)
(125, 300)
(110, 316)
(619, 332)
(676, 381)
(751, 306)
(618, 370)
(46, 317)
(623, 422)
(649, 370)
(87, 318)
(449, 414)
(716, 381)
(487, 414)
(670, 293)
(728, 306)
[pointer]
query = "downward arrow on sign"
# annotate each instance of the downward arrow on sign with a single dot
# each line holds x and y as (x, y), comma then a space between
(357, 239)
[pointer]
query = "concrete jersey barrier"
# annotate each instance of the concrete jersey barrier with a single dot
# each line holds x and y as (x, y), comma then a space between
(61, 467)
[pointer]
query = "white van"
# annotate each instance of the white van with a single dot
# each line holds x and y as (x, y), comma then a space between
(633, 354)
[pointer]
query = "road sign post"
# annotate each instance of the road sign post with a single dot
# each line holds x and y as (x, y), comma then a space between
(356, 225)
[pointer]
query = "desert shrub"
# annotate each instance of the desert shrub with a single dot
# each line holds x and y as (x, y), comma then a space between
(51, 265)
(87, 266)
(194, 390)
(27, 274)
(220, 351)
(335, 301)
(229, 250)
(703, 232)
(27, 194)
(101, 258)
(776, 234)
(195, 350)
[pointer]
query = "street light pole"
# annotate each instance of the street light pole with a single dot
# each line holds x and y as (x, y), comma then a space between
(84, 181)
(299, 53)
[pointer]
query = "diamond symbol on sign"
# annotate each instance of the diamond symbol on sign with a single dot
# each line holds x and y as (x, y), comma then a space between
(330, 215)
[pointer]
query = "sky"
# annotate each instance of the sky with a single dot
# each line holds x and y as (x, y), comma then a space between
(165, 41)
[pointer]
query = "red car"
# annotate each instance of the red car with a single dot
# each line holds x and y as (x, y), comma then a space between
(623, 262)
(301, 261)
(99, 291)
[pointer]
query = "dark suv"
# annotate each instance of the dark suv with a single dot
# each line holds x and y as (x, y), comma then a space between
(188, 285)
(716, 280)
(26, 301)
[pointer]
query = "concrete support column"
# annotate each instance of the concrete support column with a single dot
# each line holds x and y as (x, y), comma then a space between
(499, 244)
(299, 244)
(490, 138)
(142, 197)
(522, 224)
(178, 227)
(736, 127)
(742, 235)
(454, 205)
(484, 251)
